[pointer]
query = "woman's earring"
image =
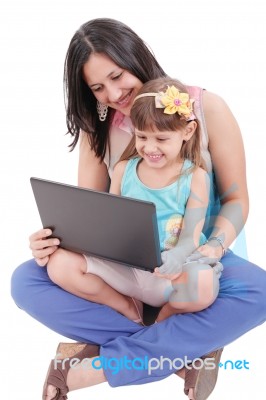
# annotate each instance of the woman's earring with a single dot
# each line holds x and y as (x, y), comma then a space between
(102, 110)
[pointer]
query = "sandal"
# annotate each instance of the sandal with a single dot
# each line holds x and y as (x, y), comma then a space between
(202, 380)
(57, 372)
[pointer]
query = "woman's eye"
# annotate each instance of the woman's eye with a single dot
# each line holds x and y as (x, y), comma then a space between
(117, 76)
(96, 89)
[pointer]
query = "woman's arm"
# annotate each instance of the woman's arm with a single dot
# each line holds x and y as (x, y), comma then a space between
(92, 172)
(228, 159)
(119, 169)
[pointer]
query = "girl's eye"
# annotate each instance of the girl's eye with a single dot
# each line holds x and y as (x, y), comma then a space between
(162, 139)
(141, 137)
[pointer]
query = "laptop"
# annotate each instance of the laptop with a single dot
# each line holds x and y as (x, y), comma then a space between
(100, 224)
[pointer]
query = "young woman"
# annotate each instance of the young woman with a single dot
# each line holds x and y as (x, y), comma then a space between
(106, 65)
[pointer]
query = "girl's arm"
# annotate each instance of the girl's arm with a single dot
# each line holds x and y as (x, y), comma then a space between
(192, 226)
(195, 212)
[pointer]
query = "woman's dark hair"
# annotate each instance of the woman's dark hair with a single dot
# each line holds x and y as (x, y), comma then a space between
(126, 49)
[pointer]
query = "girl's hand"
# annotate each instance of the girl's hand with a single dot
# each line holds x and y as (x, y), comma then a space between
(42, 247)
(171, 267)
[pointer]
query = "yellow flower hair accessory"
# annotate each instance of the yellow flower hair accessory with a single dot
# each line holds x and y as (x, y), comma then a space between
(176, 102)
(173, 101)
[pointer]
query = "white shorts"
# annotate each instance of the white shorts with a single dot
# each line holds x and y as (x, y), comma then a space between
(133, 282)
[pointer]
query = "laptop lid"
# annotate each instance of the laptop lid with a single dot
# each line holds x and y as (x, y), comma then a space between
(112, 227)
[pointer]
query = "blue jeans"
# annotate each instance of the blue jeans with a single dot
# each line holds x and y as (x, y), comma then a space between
(240, 307)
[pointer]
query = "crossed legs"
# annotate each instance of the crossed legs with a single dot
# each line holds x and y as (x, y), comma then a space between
(115, 285)
(69, 271)
(242, 294)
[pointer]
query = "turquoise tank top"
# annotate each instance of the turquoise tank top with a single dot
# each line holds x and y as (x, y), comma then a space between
(170, 201)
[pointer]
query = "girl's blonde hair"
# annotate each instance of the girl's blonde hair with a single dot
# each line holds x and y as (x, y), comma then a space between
(145, 116)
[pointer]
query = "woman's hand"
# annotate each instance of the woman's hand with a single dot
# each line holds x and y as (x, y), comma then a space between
(42, 247)
(209, 253)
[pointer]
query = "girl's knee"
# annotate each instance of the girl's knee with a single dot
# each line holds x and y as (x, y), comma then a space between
(207, 285)
(61, 262)
(55, 261)
(208, 292)
(198, 285)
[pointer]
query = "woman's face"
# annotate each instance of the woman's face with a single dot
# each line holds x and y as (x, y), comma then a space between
(111, 84)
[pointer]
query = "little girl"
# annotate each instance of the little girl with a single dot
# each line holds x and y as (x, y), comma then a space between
(162, 165)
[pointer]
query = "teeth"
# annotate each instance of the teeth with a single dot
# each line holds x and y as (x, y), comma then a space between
(155, 156)
(124, 100)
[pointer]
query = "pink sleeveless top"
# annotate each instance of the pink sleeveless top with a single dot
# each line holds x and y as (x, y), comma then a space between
(122, 131)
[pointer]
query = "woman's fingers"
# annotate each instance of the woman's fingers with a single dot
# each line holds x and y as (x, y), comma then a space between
(42, 246)
(195, 256)
(40, 234)
(204, 252)
(44, 252)
(39, 240)
(43, 243)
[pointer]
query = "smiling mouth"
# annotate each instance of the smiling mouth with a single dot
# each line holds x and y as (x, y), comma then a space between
(154, 157)
(125, 100)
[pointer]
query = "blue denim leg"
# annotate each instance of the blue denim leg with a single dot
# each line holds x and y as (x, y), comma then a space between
(240, 306)
(64, 313)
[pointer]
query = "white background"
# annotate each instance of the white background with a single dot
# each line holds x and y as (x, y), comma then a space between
(219, 45)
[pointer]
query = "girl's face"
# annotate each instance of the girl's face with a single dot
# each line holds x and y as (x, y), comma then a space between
(160, 149)
(111, 84)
